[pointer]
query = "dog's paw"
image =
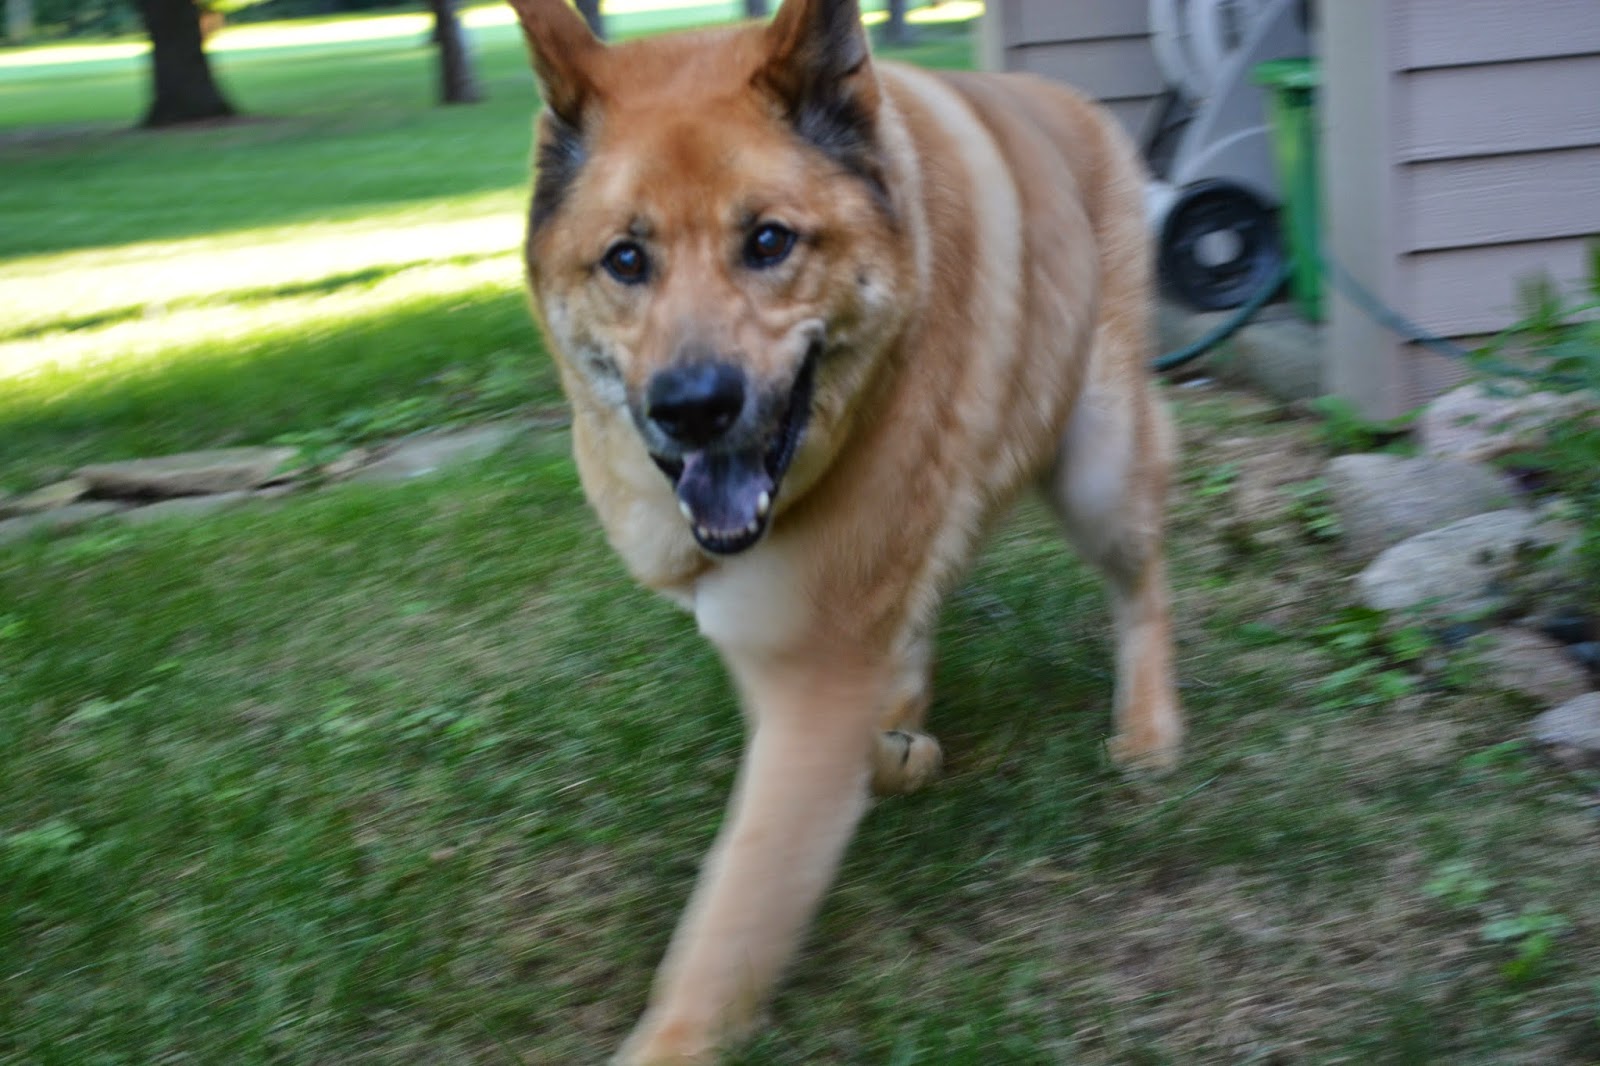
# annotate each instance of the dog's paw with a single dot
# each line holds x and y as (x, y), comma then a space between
(904, 761)
(666, 1043)
(1144, 753)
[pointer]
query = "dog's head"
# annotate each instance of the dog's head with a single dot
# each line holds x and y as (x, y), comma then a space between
(716, 247)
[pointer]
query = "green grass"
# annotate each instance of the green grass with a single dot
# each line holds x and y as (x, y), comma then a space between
(415, 774)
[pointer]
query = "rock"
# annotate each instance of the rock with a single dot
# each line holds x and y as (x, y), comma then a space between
(191, 473)
(1587, 655)
(1383, 499)
(347, 464)
(1571, 732)
(59, 520)
(46, 499)
(431, 453)
(1450, 571)
(1567, 624)
(1520, 661)
(1472, 423)
(183, 507)
(1278, 352)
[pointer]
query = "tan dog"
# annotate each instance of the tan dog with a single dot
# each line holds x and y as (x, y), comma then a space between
(820, 318)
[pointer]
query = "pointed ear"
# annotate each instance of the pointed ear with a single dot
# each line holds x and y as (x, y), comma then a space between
(819, 71)
(817, 57)
(564, 54)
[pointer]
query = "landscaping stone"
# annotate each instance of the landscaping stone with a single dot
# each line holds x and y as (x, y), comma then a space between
(347, 464)
(1277, 352)
(59, 520)
(183, 507)
(1383, 499)
(1472, 423)
(1520, 661)
(1568, 624)
(1587, 655)
(1451, 571)
(431, 453)
(191, 473)
(1571, 732)
(47, 499)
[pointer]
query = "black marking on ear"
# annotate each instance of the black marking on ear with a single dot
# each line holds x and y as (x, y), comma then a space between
(561, 156)
(838, 127)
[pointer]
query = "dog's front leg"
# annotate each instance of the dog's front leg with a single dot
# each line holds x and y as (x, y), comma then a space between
(801, 790)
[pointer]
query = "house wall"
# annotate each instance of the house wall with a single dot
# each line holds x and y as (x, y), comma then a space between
(1461, 153)
(1100, 46)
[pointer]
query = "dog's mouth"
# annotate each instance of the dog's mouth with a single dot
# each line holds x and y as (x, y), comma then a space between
(728, 495)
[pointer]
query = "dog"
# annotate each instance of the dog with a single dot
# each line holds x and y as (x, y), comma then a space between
(820, 319)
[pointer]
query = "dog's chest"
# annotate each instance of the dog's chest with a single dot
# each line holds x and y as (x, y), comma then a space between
(753, 602)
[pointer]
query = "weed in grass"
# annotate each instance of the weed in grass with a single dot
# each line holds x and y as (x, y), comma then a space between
(1342, 428)
(1312, 508)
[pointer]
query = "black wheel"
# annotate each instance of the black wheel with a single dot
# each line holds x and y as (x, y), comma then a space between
(1219, 245)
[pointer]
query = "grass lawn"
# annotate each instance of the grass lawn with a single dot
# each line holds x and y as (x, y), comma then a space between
(414, 774)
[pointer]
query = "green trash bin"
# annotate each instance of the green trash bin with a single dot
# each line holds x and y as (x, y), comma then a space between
(1291, 109)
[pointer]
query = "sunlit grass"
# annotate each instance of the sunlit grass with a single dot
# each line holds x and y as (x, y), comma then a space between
(50, 305)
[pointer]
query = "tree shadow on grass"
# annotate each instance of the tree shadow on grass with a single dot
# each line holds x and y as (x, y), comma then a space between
(294, 380)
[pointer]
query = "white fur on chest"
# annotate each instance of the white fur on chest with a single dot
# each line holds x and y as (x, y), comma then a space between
(753, 602)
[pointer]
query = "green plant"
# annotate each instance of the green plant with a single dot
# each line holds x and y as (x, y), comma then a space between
(1555, 348)
(1343, 428)
(1310, 506)
(1531, 933)
(1217, 481)
(1378, 661)
(1459, 885)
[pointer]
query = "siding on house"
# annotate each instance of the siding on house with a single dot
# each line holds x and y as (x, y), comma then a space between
(1100, 46)
(1461, 154)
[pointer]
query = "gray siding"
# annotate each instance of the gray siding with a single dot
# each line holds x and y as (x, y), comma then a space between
(1461, 153)
(1100, 46)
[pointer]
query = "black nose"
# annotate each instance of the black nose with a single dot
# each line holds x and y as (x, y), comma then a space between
(696, 403)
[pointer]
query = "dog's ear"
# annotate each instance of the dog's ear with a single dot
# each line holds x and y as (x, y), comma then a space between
(564, 54)
(819, 70)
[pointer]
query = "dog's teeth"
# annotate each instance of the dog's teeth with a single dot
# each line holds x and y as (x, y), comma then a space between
(752, 528)
(688, 515)
(763, 505)
(702, 532)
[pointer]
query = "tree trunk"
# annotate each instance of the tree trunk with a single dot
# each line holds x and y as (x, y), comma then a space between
(895, 31)
(457, 85)
(182, 88)
(590, 10)
(19, 20)
(755, 9)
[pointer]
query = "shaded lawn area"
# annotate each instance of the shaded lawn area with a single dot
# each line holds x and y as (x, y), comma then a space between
(415, 774)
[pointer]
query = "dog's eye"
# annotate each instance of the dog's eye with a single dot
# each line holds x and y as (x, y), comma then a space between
(768, 245)
(627, 262)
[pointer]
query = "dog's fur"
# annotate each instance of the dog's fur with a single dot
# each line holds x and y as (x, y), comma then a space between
(969, 284)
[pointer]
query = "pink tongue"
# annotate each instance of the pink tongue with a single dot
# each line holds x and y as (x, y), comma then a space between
(722, 492)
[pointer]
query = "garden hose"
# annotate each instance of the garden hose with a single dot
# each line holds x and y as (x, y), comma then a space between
(1351, 289)
(1247, 310)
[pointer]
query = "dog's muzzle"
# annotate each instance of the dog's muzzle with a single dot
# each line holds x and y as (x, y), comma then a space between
(726, 451)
